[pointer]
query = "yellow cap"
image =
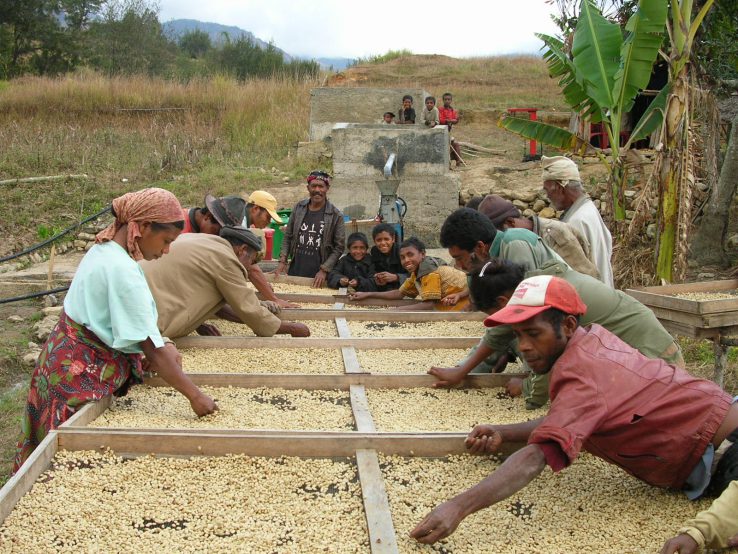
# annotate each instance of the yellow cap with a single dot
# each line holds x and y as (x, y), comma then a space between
(265, 200)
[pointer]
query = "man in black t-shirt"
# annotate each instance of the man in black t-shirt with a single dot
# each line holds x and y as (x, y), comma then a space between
(314, 236)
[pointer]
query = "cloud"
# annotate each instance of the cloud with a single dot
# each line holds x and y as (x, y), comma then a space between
(332, 28)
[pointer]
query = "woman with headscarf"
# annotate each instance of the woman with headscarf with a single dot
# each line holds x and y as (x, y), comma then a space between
(109, 320)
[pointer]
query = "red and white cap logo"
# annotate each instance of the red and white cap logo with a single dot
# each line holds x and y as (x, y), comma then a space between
(535, 295)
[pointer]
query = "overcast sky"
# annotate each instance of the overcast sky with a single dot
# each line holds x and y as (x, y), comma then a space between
(348, 28)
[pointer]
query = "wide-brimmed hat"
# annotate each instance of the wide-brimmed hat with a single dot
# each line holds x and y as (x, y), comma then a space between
(227, 210)
(265, 200)
(241, 234)
(535, 295)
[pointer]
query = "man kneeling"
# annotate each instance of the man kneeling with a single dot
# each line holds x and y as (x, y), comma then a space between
(650, 418)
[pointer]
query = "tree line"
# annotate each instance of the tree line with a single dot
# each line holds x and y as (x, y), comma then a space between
(53, 37)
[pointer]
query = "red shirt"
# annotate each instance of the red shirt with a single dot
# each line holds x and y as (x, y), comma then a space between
(446, 114)
(652, 419)
(187, 222)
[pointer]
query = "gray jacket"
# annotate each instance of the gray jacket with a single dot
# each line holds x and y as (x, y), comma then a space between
(334, 235)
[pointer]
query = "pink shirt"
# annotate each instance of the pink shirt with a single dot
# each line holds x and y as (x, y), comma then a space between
(652, 419)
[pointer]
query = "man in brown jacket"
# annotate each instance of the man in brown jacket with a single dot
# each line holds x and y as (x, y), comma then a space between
(315, 236)
(564, 239)
(205, 276)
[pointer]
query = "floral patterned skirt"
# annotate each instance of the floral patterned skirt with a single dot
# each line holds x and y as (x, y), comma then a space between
(74, 367)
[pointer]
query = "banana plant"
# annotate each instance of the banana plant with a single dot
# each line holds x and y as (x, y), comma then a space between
(600, 80)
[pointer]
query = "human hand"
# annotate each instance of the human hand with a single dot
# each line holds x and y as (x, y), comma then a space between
(682, 544)
(203, 405)
(501, 363)
(353, 283)
(447, 376)
(273, 307)
(358, 295)
(281, 267)
(483, 439)
(208, 330)
(344, 281)
(320, 278)
(297, 329)
(286, 304)
(451, 299)
(733, 541)
(438, 524)
(514, 387)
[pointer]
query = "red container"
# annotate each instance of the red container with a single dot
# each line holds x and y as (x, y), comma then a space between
(269, 237)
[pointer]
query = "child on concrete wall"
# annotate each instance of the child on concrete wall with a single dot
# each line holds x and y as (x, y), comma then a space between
(449, 116)
(431, 281)
(388, 118)
(354, 270)
(407, 112)
(429, 116)
(385, 256)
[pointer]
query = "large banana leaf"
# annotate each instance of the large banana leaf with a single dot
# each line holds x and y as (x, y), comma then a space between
(545, 134)
(652, 117)
(644, 34)
(596, 52)
(560, 65)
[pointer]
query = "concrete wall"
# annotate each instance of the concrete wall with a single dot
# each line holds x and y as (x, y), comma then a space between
(426, 184)
(329, 106)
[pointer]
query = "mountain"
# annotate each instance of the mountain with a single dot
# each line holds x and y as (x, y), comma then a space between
(338, 64)
(178, 27)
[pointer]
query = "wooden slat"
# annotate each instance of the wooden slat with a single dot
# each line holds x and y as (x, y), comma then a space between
(360, 409)
(325, 298)
(304, 444)
(288, 279)
(20, 483)
(350, 360)
(89, 413)
(300, 314)
(382, 538)
(701, 321)
(335, 382)
(410, 343)
(343, 329)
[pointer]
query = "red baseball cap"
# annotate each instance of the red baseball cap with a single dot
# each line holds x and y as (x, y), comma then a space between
(535, 295)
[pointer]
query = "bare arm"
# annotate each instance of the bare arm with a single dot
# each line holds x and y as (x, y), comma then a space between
(513, 475)
(389, 295)
(420, 306)
(452, 376)
(164, 361)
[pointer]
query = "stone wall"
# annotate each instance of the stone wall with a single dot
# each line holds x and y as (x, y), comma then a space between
(329, 106)
(426, 184)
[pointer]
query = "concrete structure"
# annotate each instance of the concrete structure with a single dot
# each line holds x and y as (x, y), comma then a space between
(426, 184)
(329, 106)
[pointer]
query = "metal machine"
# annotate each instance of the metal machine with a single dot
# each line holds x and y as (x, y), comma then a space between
(392, 208)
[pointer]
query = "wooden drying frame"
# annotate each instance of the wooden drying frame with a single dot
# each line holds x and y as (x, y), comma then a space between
(699, 319)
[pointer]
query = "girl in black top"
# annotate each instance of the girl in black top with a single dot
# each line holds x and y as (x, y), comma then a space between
(385, 256)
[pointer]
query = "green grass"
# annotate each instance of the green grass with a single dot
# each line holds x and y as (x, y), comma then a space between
(12, 404)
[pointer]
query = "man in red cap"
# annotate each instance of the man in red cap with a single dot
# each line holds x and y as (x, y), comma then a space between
(652, 419)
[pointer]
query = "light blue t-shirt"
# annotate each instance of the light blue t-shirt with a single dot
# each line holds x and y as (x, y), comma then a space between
(109, 296)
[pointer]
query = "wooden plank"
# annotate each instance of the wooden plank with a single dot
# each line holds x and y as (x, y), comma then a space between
(701, 321)
(350, 360)
(382, 537)
(252, 443)
(302, 297)
(343, 329)
(300, 314)
(410, 343)
(89, 412)
(360, 409)
(20, 483)
(335, 382)
(289, 279)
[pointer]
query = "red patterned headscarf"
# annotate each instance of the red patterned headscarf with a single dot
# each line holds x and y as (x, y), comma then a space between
(153, 204)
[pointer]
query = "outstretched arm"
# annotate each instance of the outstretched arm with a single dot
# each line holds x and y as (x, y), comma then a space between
(513, 475)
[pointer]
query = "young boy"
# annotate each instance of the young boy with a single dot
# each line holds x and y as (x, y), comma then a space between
(385, 256)
(407, 113)
(354, 270)
(429, 115)
(450, 117)
(431, 281)
(388, 118)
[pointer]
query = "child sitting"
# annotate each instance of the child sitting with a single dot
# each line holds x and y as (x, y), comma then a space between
(407, 112)
(388, 118)
(385, 256)
(354, 270)
(431, 280)
(429, 115)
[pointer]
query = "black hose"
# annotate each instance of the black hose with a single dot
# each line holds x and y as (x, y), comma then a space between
(55, 237)
(32, 295)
